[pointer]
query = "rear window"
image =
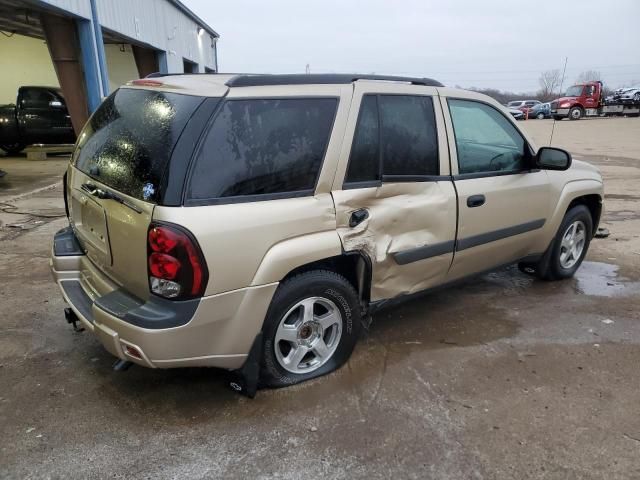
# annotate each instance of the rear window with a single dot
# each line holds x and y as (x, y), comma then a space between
(127, 143)
(259, 147)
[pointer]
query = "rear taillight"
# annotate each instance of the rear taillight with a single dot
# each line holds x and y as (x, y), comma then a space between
(145, 82)
(177, 269)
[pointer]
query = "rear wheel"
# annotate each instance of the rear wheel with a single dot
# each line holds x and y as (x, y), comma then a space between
(570, 244)
(575, 113)
(13, 148)
(311, 328)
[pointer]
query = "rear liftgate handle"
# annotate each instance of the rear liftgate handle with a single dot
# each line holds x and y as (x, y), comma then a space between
(475, 201)
(358, 217)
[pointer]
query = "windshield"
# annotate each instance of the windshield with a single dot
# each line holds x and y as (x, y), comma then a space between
(514, 104)
(128, 141)
(574, 91)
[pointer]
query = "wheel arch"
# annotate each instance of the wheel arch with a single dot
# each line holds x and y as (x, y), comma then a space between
(586, 192)
(316, 251)
(354, 265)
(593, 202)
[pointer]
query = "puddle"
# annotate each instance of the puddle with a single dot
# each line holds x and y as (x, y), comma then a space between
(601, 279)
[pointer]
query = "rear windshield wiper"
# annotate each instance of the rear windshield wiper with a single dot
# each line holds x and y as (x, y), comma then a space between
(93, 190)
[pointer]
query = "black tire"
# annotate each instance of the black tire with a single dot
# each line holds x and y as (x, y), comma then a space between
(13, 148)
(575, 113)
(551, 267)
(540, 116)
(557, 117)
(317, 283)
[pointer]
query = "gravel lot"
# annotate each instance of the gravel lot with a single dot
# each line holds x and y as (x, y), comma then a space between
(504, 377)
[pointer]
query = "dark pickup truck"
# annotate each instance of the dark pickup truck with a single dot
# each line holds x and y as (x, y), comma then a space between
(39, 117)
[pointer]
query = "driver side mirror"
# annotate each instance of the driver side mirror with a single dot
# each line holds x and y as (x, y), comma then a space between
(550, 158)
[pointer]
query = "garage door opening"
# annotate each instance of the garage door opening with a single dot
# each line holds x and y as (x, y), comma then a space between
(127, 60)
(189, 66)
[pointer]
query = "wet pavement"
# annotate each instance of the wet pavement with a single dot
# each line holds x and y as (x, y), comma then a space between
(503, 377)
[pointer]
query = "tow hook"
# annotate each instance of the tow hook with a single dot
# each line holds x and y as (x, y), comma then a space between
(121, 365)
(72, 318)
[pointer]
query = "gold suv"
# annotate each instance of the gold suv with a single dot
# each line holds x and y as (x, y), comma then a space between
(255, 222)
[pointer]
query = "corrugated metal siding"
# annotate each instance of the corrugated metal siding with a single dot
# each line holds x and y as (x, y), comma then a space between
(81, 8)
(160, 24)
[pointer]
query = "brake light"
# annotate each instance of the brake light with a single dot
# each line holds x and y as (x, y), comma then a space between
(144, 82)
(177, 269)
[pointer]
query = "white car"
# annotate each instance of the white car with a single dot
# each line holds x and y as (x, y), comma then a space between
(627, 93)
(517, 114)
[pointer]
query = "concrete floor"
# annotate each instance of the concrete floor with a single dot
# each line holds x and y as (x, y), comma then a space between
(505, 377)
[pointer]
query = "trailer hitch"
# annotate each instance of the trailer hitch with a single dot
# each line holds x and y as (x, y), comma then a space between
(73, 319)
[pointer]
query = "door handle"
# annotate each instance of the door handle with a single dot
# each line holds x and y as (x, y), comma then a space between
(358, 217)
(475, 201)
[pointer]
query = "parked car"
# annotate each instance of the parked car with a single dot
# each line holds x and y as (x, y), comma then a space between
(523, 105)
(256, 222)
(39, 116)
(540, 111)
(515, 113)
(628, 94)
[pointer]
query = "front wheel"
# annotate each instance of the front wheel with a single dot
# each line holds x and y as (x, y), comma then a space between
(575, 113)
(571, 243)
(311, 328)
(540, 116)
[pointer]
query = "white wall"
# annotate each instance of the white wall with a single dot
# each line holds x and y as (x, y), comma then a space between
(121, 65)
(24, 61)
(161, 25)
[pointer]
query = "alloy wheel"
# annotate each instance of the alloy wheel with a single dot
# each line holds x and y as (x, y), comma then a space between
(572, 245)
(308, 335)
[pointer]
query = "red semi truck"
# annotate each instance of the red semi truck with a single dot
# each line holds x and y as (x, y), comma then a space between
(587, 100)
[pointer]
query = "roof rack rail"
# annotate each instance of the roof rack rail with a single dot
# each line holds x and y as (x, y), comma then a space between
(320, 78)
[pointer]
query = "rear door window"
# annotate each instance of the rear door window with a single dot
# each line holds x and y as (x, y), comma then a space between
(128, 142)
(396, 136)
(409, 140)
(262, 147)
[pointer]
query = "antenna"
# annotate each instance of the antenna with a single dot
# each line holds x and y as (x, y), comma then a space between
(553, 127)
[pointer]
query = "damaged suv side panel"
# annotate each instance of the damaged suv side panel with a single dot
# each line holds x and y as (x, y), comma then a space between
(409, 199)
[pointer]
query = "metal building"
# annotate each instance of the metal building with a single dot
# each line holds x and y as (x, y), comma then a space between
(164, 36)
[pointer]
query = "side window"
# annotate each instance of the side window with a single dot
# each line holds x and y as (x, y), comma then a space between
(397, 132)
(36, 98)
(409, 141)
(485, 140)
(263, 146)
(364, 161)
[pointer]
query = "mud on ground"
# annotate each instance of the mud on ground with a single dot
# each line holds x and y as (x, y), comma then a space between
(503, 377)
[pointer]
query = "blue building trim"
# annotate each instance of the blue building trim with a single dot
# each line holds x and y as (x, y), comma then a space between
(162, 61)
(102, 59)
(90, 64)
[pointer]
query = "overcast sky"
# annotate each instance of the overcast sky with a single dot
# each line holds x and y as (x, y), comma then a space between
(503, 44)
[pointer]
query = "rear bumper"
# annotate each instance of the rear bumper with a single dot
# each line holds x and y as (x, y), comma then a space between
(215, 331)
